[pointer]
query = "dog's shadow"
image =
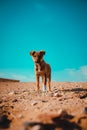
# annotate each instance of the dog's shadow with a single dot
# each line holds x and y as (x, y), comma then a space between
(62, 123)
(81, 91)
(65, 123)
(75, 90)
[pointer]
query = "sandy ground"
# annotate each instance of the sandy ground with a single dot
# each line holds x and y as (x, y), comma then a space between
(22, 108)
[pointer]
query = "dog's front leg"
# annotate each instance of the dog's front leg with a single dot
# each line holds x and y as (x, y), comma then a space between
(37, 82)
(44, 83)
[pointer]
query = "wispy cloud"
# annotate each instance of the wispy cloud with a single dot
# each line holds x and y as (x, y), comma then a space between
(71, 74)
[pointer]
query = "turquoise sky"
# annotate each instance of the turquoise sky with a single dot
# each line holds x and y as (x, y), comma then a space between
(57, 26)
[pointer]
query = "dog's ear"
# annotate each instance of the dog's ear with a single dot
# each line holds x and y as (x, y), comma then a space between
(42, 52)
(32, 53)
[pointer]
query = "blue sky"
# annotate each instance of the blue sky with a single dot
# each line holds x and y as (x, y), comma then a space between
(57, 26)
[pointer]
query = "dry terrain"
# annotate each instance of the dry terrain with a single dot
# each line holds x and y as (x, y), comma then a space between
(23, 108)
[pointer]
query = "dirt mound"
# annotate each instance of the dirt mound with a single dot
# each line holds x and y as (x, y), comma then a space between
(8, 80)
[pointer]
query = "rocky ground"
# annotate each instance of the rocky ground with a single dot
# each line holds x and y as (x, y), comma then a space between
(22, 108)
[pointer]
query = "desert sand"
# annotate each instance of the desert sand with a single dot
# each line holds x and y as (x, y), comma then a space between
(23, 108)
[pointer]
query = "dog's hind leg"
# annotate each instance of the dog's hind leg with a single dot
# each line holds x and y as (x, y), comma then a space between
(37, 82)
(49, 82)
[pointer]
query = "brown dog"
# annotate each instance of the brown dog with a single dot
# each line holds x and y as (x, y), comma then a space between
(41, 69)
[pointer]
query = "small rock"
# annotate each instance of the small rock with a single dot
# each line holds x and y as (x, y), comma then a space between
(83, 96)
(24, 90)
(32, 126)
(55, 90)
(1, 101)
(15, 92)
(1, 106)
(11, 93)
(37, 127)
(12, 107)
(14, 100)
(38, 107)
(44, 101)
(85, 110)
(34, 103)
(62, 99)
(57, 95)
(20, 116)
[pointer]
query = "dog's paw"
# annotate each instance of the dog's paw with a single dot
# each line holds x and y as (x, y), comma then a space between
(44, 89)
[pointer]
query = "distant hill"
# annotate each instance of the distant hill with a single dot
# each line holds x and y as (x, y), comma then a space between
(9, 80)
